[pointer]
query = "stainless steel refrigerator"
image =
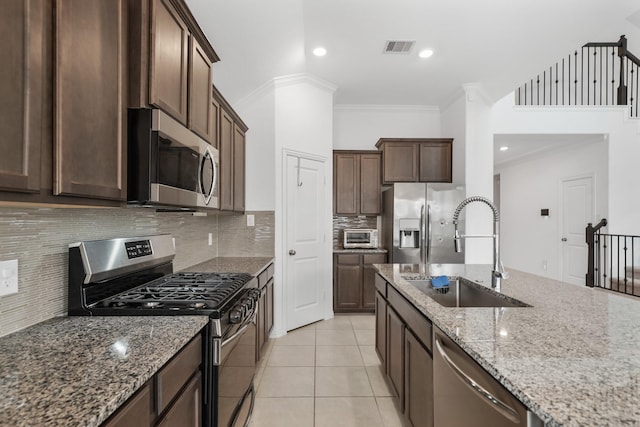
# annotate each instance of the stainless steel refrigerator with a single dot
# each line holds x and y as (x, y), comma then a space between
(417, 225)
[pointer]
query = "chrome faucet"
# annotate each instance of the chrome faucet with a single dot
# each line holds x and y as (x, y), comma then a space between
(498, 271)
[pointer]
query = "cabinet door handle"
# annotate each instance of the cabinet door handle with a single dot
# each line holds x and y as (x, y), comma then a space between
(292, 252)
(504, 409)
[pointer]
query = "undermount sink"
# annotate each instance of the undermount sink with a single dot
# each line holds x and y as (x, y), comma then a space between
(464, 293)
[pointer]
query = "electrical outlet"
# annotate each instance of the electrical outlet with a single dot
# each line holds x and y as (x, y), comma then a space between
(544, 265)
(251, 220)
(210, 239)
(9, 277)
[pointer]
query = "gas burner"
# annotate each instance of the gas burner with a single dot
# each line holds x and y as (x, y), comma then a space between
(198, 305)
(151, 304)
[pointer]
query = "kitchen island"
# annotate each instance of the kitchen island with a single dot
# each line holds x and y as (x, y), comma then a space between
(573, 358)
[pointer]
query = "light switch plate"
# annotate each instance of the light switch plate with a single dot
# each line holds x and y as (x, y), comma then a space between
(251, 220)
(8, 277)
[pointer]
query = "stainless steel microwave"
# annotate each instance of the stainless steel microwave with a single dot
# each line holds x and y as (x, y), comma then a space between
(169, 166)
(360, 238)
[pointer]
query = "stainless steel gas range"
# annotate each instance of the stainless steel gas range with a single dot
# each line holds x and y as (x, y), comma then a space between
(134, 277)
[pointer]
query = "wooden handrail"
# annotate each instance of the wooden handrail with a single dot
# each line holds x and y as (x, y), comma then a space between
(590, 233)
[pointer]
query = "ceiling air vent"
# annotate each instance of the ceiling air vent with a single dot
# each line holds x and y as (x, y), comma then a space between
(398, 46)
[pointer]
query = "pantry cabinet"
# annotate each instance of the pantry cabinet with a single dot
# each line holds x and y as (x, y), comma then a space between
(416, 159)
(357, 182)
(354, 282)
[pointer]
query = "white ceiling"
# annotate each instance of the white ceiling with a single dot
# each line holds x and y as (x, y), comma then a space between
(496, 43)
(523, 146)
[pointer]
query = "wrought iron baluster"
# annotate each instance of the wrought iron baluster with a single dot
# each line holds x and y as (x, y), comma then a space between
(625, 264)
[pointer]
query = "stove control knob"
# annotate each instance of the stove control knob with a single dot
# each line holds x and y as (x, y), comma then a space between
(235, 316)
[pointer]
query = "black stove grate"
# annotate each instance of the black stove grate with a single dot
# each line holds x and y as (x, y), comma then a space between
(181, 291)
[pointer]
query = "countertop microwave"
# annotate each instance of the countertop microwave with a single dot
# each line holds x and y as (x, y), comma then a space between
(360, 238)
(168, 165)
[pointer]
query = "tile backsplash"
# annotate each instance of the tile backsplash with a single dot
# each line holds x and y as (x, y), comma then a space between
(39, 238)
(342, 222)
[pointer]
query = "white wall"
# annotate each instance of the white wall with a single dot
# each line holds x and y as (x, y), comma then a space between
(467, 119)
(478, 175)
(303, 123)
(623, 155)
(358, 127)
(528, 185)
(259, 115)
(453, 122)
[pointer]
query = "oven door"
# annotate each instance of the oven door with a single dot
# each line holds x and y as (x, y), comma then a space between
(235, 375)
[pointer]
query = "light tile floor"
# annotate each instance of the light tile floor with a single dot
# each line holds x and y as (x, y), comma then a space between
(324, 375)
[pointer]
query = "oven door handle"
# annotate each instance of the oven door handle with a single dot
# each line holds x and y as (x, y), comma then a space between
(240, 331)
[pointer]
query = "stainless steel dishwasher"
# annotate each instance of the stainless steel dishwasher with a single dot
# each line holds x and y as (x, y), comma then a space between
(466, 395)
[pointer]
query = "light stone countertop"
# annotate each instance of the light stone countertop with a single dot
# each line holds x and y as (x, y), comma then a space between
(249, 265)
(76, 371)
(573, 358)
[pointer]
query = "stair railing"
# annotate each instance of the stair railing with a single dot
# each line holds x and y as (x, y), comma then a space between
(591, 234)
(599, 74)
(613, 261)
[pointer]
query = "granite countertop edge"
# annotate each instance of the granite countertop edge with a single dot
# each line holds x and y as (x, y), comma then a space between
(360, 251)
(248, 265)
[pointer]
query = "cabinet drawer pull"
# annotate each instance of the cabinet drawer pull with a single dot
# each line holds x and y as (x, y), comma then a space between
(506, 410)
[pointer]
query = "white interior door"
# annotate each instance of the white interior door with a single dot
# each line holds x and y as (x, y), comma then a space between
(305, 262)
(577, 211)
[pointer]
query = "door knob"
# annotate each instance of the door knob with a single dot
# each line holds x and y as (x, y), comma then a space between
(564, 239)
(292, 252)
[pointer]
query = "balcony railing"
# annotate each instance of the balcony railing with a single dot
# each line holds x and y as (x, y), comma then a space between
(597, 74)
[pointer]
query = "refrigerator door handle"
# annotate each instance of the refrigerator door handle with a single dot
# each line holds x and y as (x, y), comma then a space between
(428, 260)
(422, 238)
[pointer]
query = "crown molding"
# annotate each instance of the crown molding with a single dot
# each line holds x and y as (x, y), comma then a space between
(293, 79)
(387, 108)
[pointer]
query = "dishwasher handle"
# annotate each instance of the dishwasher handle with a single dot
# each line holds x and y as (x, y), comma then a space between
(504, 409)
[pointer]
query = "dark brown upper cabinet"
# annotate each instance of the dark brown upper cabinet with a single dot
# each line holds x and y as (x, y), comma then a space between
(63, 83)
(357, 183)
(90, 63)
(416, 159)
(171, 63)
(232, 148)
(168, 60)
(23, 89)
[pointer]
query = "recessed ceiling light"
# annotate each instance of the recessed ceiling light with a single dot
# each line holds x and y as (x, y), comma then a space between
(319, 51)
(504, 148)
(426, 53)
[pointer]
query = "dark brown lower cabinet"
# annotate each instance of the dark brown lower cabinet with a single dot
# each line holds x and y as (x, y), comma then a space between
(265, 309)
(403, 343)
(186, 411)
(418, 383)
(138, 411)
(381, 331)
(354, 282)
(172, 398)
(395, 354)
